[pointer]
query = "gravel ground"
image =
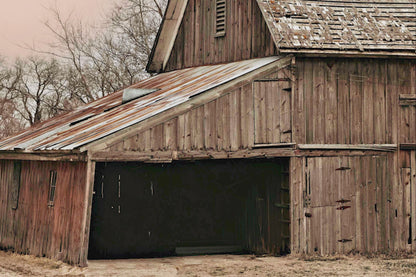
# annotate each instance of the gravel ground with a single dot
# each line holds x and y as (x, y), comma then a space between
(218, 265)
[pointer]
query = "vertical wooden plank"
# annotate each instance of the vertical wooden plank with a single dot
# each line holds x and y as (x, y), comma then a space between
(220, 123)
(157, 138)
(298, 101)
(396, 81)
(382, 213)
(356, 102)
(285, 95)
(270, 98)
(380, 102)
(235, 117)
(226, 126)
(259, 112)
(343, 103)
(308, 96)
(196, 130)
(181, 132)
(210, 125)
(86, 221)
(318, 101)
(331, 102)
(368, 102)
(198, 20)
(244, 113)
(170, 131)
(406, 183)
(187, 131)
(296, 204)
(413, 200)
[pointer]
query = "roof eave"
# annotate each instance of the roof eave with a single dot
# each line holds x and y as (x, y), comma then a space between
(349, 53)
(166, 36)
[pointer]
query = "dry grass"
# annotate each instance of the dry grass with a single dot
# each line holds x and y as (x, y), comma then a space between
(395, 264)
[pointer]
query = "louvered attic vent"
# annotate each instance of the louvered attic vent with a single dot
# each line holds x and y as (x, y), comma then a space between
(220, 18)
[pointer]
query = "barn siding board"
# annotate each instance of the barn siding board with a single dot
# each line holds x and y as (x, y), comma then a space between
(350, 205)
(228, 123)
(202, 47)
(358, 99)
(34, 228)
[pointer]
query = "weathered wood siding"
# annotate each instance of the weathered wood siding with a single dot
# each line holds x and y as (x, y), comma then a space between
(353, 101)
(226, 124)
(34, 228)
(272, 110)
(344, 204)
(246, 35)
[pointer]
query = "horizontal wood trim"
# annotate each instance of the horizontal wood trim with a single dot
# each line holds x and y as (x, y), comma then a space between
(275, 145)
(44, 156)
(407, 96)
(348, 54)
(408, 146)
(169, 156)
(363, 147)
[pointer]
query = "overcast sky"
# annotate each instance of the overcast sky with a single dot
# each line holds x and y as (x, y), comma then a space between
(21, 20)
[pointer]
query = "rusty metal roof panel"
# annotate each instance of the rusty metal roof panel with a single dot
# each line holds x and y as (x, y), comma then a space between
(358, 25)
(108, 115)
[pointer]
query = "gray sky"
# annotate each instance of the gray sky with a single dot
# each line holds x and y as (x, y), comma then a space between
(21, 20)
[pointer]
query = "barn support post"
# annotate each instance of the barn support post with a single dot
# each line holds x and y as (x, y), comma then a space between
(89, 187)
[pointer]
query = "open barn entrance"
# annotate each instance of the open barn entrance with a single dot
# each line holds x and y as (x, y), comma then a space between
(200, 207)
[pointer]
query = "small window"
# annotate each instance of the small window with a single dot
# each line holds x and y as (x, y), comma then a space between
(220, 18)
(14, 192)
(52, 187)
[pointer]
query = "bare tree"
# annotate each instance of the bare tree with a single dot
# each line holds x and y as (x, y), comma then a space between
(35, 88)
(115, 56)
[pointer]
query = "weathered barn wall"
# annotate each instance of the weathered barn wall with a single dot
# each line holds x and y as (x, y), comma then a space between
(34, 227)
(343, 204)
(255, 113)
(247, 35)
(353, 101)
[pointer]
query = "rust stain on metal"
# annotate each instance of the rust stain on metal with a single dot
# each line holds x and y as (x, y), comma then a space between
(108, 115)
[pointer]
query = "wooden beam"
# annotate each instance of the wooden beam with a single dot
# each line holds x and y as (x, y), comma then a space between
(43, 156)
(348, 54)
(169, 156)
(408, 146)
(275, 145)
(166, 36)
(338, 153)
(362, 147)
(86, 221)
(407, 96)
(259, 153)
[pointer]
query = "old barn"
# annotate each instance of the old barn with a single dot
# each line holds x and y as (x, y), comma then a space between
(271, 127)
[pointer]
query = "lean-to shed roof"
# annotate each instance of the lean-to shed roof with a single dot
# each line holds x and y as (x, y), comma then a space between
(109, 115)
(375, 25)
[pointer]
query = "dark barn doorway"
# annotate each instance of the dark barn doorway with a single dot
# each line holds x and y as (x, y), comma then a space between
(145, 210)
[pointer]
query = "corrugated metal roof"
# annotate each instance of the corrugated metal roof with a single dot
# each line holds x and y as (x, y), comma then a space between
(388, 25)
(108, 115)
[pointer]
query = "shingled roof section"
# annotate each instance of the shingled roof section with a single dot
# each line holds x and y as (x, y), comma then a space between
(377, 25)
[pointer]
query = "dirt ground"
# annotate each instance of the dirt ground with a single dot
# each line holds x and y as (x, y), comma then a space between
(219, 265)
